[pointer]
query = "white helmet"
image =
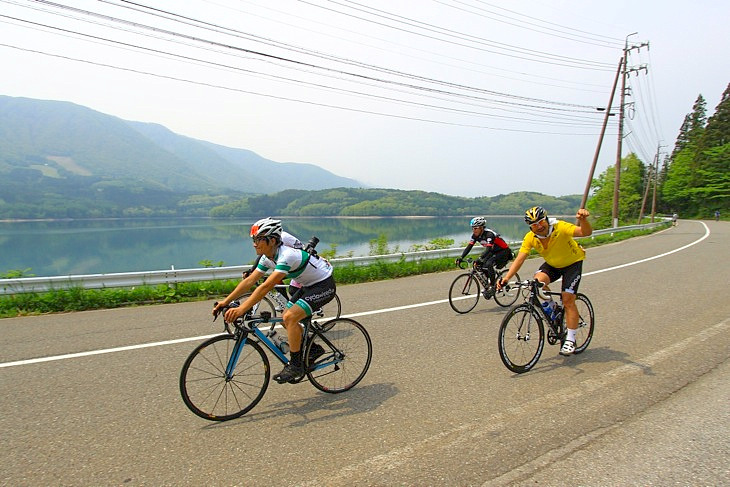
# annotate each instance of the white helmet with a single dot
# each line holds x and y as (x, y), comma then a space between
(266, 227)
(478, 221)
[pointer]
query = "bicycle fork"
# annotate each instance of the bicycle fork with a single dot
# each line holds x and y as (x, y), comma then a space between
(523, 331)
(473, 278)
(235, 353)
(241, 342)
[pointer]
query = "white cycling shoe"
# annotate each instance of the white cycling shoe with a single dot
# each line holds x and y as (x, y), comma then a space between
(568, 348)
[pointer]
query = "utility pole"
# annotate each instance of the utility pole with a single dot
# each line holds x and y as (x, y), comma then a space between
(600, 138)
(651, 177)
(656, 183)
(617, 176)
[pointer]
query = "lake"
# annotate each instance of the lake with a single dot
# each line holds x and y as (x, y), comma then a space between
(58, 248)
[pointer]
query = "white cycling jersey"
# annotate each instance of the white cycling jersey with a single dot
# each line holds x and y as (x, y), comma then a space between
(291, 241)
(297, 264)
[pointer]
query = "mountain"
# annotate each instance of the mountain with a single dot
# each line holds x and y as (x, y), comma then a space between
(55, 152)
(241, 168)
(390, 202)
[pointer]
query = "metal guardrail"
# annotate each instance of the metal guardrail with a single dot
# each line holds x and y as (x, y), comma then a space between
(173, 276)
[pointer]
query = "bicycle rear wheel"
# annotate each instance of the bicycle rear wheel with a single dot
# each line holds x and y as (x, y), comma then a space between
(464, 293)
(266, 304)
(346, 358)
(330, 310)
(521, 338)
(208, 393)
(507, 296)
(585, 322)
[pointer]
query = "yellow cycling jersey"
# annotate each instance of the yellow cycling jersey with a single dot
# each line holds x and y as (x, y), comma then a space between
(560, 249)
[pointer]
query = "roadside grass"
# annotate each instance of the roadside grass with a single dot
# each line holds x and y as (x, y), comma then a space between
(78, 299)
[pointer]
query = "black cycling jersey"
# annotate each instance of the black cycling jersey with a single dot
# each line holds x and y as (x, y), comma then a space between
(489, 239)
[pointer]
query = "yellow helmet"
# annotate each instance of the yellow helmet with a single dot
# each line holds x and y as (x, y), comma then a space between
(535, 214)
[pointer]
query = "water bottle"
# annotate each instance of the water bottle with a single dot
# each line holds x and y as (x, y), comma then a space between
(280, 341)
(557, 313)
(549, 307)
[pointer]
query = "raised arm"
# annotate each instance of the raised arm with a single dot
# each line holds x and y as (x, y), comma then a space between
(584, 228)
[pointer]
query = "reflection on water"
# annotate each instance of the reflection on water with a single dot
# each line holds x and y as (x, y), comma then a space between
(56, 248)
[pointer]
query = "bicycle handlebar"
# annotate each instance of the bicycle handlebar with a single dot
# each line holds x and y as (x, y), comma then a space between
(538, 285)
(263, 317)
(469, 261)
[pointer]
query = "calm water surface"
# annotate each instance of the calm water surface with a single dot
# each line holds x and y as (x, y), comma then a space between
(57, 248)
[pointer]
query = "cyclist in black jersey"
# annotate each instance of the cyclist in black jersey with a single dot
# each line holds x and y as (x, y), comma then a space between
(496, 251)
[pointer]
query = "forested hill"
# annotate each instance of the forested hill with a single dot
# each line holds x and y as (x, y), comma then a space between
(61, 160)
(391, 202)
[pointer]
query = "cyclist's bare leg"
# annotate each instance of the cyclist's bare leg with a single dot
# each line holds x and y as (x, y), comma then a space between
(571, 310)
(543, 278)
(292, 316)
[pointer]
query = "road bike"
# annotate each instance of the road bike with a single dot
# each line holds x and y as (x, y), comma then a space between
(466, 289)
(275, 303)
(522, 333)
(226, 376)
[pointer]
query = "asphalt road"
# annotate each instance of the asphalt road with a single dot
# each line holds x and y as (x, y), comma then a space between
(646, 404)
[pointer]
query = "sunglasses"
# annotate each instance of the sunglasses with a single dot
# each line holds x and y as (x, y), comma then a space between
(538, 221)
(259, 238)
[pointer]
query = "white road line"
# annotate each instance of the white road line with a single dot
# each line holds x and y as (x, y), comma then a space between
(99, 352)
(364, 313)
(707, 234)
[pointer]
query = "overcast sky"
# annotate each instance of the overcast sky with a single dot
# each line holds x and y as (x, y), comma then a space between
(463, 97)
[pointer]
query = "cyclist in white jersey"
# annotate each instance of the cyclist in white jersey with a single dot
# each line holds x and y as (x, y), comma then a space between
(288, 240)
(313, 273)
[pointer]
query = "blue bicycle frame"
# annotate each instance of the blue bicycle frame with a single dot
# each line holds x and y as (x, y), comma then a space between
(252, 327)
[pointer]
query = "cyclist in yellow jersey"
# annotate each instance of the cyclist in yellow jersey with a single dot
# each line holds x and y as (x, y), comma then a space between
(555, 241)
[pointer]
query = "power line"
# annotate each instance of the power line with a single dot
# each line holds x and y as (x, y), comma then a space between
(301, 64)
(512, 51)
(590, 37)
(574, 85)
(278, 97)
(557, 115)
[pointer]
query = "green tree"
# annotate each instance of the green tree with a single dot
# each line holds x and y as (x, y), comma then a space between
(676, 189)
(631, 192)
(683, 136)
(713, 161)
(717, 132)
(696, 181)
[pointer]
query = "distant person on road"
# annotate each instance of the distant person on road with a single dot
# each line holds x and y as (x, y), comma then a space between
(555, 241)
(496, 251)
(717, 215)
(313, 273)
(674, 219)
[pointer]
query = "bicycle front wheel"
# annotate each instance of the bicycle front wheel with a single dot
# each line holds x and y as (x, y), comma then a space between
(207, 391)
(507, 296)
(346, 358)
(521, 338)
(464, 293)
(586, 320)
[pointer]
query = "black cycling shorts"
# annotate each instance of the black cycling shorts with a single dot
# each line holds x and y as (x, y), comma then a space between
(311, 298)
(571, 275)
